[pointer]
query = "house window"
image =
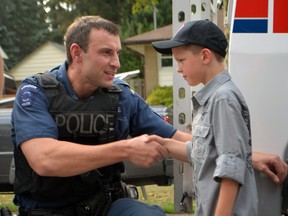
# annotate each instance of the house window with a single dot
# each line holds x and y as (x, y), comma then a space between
(166, 60)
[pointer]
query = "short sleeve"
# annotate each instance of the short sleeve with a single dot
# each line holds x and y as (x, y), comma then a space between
(30, 115)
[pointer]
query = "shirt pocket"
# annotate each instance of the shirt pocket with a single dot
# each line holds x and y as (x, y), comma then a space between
(200, 131)
(200, 143)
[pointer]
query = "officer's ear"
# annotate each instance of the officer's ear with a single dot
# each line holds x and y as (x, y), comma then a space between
(76, 52)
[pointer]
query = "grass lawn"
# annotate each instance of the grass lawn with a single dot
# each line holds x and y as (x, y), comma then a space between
(160, 195)
(6, 200)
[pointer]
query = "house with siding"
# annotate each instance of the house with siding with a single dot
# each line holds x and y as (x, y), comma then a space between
(158, 68)
(47, 56)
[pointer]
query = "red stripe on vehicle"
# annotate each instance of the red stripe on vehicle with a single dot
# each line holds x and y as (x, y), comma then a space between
(280, 16)
(252, 8)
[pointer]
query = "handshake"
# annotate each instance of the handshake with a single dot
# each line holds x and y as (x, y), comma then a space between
(145, 150)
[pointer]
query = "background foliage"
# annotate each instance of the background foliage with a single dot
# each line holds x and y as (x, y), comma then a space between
(161, 96)
(22, 28)
(26, 24)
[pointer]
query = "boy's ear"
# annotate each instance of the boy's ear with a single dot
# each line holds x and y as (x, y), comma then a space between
(206, 55)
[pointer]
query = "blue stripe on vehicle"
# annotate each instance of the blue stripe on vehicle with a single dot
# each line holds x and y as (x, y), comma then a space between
(250, 26)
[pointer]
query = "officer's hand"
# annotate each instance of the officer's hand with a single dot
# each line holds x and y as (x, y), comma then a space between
(176, 149)
(144, 152)
(271, 165)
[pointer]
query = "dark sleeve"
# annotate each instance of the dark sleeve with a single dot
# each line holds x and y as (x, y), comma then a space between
(30, 116)
(135, 116)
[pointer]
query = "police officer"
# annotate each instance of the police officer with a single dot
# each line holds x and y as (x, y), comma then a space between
(70, 127)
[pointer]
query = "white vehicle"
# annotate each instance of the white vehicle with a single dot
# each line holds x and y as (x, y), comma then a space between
(258, 56)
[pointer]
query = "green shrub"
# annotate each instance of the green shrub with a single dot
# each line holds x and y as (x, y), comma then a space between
(161, 96)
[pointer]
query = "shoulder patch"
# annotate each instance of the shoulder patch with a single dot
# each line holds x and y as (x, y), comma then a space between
(27, 94)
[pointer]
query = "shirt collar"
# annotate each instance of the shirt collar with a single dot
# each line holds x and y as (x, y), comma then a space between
(209, 89)
(61, 74)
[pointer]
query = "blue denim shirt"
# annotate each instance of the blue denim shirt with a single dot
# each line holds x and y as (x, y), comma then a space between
(221, 146)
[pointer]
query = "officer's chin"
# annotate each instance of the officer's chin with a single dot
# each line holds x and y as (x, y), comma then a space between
(107, 84)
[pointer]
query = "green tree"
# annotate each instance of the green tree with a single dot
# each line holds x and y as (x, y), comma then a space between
(63, 12)
(22, 28)
(161, 96)
(26, 24)
(138, 17)
(162, 8)
(133, 17)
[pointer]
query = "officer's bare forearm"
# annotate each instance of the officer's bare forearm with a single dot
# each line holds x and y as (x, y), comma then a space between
(50, 157)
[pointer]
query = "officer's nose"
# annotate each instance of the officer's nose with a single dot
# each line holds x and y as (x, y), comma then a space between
(115, 61)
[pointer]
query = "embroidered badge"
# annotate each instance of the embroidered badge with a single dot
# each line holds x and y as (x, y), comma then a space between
(28, 94)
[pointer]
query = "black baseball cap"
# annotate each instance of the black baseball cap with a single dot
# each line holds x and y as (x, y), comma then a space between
(199, 32)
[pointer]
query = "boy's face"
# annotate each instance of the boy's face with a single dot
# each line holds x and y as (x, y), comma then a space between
(190, 64)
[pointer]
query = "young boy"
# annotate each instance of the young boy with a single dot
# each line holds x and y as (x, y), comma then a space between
(220, 149)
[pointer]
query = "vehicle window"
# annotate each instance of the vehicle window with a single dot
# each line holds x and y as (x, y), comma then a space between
(166, 60)
(9, 92)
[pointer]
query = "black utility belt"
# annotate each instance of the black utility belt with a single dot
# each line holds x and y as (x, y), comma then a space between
(98, 204)
(47, 212)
